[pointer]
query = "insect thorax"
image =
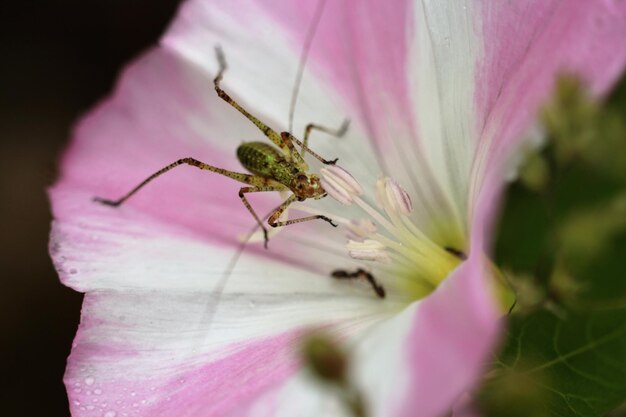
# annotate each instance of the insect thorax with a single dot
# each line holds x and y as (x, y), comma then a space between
(264, 159)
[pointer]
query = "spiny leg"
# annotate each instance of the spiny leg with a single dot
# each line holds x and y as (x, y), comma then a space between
(267, 131)
(246, 203)
(333, 132)
(273, 219)
(245, 178)
(295, 156)
(360, 273)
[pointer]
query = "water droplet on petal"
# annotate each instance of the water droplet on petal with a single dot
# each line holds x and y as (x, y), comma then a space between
(110, 413)
(90, 380)
(97, 391)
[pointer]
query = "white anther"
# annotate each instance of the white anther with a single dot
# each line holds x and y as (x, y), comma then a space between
(340, 185)
(361, 229)
(368, 250)
(398, 197)
(390, 196)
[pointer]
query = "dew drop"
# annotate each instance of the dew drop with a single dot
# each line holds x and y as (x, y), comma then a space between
(76, 402)
(89, 380)
(110, 413)
(97, 391)
(90, 407)
(77, 390)
(132, 394)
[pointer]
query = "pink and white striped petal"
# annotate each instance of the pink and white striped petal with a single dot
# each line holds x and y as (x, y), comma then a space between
(439, 94)
(155, 310)
(417, 363)
(525, 47)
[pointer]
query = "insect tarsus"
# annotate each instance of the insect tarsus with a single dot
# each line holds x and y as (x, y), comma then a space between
(360, 273)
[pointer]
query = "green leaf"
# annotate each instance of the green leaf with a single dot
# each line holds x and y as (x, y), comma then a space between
(561, 243)
(576, 364)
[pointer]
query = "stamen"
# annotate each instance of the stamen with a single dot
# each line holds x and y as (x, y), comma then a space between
(361, 229)
(340, 185)
(398, 197)
(368, 250)
(400, 243)
(391, 197)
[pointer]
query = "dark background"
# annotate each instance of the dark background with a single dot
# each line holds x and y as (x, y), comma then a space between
(57, 59)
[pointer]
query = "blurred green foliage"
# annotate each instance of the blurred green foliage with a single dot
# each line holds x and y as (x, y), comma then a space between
(561, 244)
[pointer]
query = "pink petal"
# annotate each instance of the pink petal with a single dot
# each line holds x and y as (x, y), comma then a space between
(526, 45)
(158, 337)
(455, 332)
(164, 109)
(417, 363)
(161, 353)
(150, 317)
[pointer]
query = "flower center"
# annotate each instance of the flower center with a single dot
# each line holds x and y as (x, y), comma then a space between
(410, 261)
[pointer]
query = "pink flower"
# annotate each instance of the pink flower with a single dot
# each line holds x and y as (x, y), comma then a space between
(439, 94)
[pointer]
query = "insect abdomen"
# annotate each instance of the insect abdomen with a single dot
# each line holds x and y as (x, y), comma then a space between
(263, 159)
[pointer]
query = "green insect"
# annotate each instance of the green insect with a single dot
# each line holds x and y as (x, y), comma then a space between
(271, 169)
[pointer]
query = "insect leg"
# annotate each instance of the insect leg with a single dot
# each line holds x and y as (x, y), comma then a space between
(246, 203)
(273, 219)
(360, 273)
(295, 156)
(245, 178)
(333, 132)
(267, 131)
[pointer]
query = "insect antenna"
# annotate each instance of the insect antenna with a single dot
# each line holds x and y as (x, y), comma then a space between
(232, 263)
(304, 55)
